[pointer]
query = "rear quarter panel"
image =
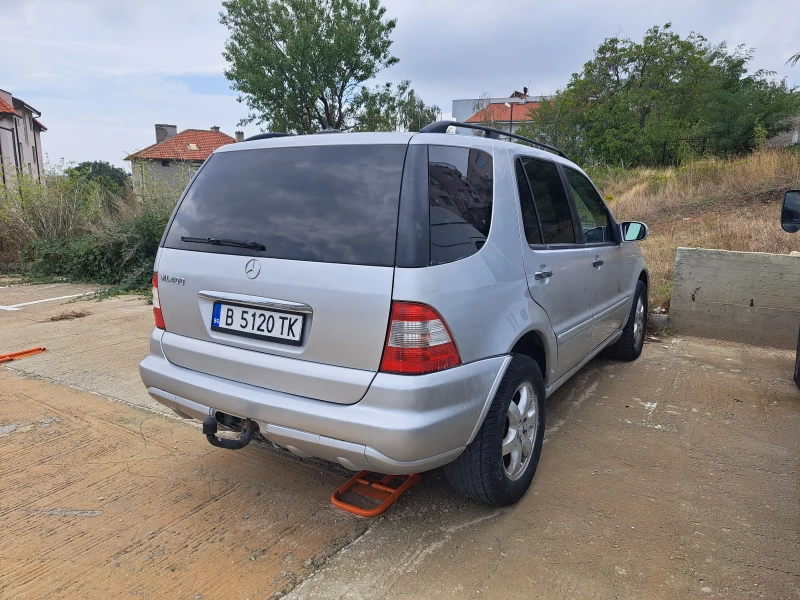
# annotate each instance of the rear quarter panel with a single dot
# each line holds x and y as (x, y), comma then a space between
(483, 298)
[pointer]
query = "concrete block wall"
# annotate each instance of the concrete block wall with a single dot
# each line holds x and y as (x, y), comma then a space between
(750, 297)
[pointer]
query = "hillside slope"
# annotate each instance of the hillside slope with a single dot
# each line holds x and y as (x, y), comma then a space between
(728, 204)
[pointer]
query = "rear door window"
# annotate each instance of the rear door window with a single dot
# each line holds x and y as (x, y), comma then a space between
(460, 193)
(333, 204)
(552, 205)
(530, 221)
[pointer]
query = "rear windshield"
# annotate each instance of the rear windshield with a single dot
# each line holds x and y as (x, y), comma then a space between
(317, 203)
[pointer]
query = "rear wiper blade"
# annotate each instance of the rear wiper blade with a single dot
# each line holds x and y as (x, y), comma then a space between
(222, 242)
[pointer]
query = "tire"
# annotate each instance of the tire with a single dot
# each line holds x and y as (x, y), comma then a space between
(629, 346)
(483, 472)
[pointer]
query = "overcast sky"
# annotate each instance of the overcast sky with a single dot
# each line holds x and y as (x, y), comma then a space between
(102, 72)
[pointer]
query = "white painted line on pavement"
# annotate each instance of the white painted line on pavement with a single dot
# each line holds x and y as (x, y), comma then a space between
(17, 306)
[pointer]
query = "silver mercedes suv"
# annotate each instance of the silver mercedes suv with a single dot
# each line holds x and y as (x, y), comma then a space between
(393, 302)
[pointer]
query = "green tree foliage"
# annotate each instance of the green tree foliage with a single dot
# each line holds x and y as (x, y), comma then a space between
(104, 173)
(632, 98)
(300, 64)
(385, 108)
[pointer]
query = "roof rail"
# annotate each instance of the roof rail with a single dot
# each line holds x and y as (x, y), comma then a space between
(492, 133)
(265, 136)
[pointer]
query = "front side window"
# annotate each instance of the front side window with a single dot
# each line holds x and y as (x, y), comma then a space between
(551, 201)
(460, 193)
(592, 213)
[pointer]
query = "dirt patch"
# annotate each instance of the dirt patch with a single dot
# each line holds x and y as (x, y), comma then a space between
(68, 315)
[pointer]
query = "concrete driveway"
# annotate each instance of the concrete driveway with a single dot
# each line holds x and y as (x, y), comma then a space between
(672, 477)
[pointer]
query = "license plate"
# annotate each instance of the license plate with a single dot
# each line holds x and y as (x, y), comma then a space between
(247, 321)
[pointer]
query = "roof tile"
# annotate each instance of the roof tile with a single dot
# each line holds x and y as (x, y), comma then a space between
(181, 146)
(7, 109)
(498, 111)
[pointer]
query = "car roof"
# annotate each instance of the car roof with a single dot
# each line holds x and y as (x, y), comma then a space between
(322, 139)
(378, 138)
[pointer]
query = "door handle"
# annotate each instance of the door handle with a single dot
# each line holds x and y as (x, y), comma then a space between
(597, 262)
(543, 274)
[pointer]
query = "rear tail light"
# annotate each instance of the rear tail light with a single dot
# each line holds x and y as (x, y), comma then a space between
(157, 304)
(418, 341)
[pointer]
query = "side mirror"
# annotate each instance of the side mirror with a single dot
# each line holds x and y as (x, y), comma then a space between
(633, 231)
(790, 213)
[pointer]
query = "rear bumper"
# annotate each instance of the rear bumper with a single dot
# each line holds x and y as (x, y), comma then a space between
(404, 424)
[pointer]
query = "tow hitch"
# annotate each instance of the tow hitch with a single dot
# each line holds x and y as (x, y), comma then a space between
(210, 431)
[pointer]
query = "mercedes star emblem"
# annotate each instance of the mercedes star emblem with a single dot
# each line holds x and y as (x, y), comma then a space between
(252, 268)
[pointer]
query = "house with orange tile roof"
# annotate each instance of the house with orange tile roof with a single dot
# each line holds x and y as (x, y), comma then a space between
(20, 138)
(173, 159)
(506, 113)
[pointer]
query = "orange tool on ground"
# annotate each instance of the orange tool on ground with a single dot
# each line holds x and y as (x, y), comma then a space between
(21, 354)
(367, 485)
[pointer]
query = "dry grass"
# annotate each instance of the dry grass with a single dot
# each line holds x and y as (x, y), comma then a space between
(731, 204)
(68, 315)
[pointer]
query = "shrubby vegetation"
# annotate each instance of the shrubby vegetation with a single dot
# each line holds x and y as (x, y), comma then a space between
(83, 223)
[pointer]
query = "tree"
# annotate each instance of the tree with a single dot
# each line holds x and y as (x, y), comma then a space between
(634, 99)
(300, 64)
(386, 109)
(794, 59)
(482, 105)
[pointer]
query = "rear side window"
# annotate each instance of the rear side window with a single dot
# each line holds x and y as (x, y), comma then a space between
(333, 204)
(460, 193)
(551, 201)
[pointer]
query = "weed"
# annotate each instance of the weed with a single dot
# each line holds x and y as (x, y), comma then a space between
(68, 315)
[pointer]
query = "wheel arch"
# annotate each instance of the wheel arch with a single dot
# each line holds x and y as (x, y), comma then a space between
(644, 277)
(532, 344)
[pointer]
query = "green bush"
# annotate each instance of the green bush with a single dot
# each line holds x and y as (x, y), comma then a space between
(120, 255)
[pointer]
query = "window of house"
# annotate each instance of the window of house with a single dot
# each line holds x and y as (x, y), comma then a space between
(551, 201)
(164, 163)
(458, 231)
(592, 213)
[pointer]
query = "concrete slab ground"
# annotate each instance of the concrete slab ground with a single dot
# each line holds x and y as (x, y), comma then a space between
(99, 352)
(100, 500)
(671, 477)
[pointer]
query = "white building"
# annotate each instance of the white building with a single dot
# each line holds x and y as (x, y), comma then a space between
(20, 138)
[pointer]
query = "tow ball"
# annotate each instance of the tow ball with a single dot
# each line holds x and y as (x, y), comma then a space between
(210, 431)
